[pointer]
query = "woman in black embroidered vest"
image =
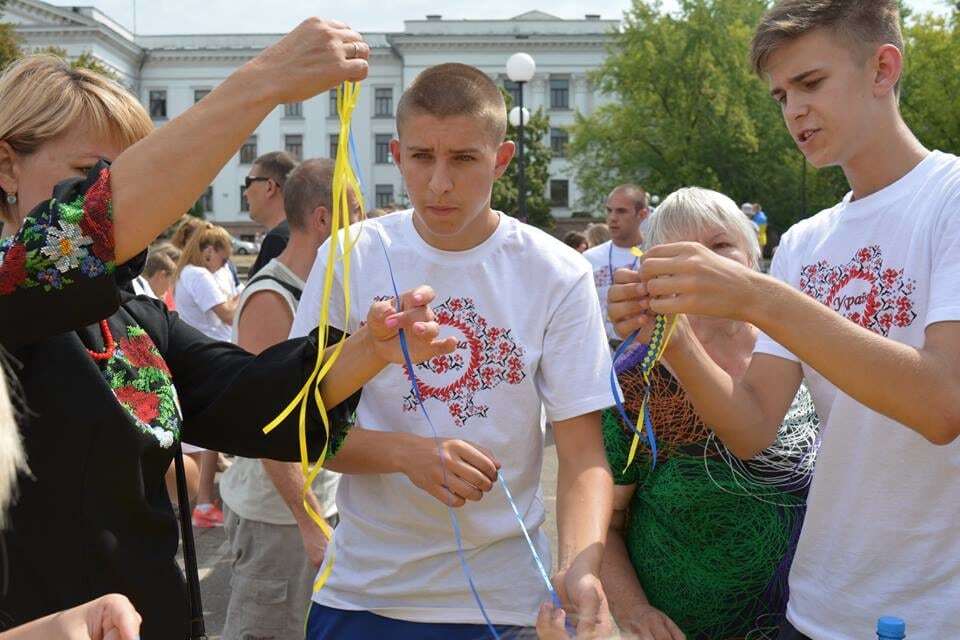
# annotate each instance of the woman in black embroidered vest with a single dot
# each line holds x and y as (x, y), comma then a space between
(97, 366)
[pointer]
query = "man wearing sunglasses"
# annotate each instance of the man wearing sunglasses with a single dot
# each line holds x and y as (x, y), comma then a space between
(263, 187)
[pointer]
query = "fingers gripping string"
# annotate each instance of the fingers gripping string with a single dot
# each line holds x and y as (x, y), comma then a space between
(652, 352)
(344, 181)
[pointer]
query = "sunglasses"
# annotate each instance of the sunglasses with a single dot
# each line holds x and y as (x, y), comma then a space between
(249, 180)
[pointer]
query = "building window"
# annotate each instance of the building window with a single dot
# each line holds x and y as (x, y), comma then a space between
(559, 93)
(199, 94)
(384, 195)
(334, 143)
(333, 103)
(205, 203)
(513, 88)
(383, 148)
(294, 146)
(244, 205)
(559, 139)
(293, 110)
(248, 152)
(158, 104)
(383, 103)
(559, 193)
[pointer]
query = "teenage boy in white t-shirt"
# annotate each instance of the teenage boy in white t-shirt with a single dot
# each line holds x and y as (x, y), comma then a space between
(524, 311)
(626, 211)
(864, 304)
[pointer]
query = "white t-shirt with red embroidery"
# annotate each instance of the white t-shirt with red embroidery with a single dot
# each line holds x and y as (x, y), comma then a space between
(881, 531)
(605, 259)
(524, 309)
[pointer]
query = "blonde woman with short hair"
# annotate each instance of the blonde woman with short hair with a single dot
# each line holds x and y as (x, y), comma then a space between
(84, 188)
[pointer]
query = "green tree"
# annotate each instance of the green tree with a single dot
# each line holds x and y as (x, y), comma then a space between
(687, 109)
(9, 41)
(85, 60)
(536, 172)
(931, 81)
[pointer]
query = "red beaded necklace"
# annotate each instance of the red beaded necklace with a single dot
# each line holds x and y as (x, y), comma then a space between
(108, 343)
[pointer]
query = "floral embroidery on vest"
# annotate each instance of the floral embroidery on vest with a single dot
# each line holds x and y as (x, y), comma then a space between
(60, 242)
(141, 381)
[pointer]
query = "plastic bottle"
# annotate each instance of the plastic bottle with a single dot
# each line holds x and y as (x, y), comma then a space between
(891, 628)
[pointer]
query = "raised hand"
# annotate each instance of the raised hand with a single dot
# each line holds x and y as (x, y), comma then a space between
(628, 305)
(111, 617)
(315, 57)
(384, 322)
(687, 277)
(583, 600)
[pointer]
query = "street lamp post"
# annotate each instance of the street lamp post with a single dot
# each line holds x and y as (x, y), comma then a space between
(520, 69)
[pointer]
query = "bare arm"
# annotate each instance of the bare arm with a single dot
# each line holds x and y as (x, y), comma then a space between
(628, 602)
(264, 321)
(584, 504)
(172, 166)
(111, 616)
(916, 387)
(226, 310)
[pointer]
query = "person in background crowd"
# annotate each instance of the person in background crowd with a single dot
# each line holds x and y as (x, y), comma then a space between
(274, 542)
(263, 188)
(760, 219)
(576, 240)
(597, 233)
(626, 211)
(206, 304)
(158, 274)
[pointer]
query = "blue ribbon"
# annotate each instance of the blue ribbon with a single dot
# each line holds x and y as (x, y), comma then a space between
(618, 399)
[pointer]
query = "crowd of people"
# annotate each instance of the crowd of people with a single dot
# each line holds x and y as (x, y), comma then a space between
(740, 455)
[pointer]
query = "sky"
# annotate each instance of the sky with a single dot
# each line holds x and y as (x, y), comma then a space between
(255, 16)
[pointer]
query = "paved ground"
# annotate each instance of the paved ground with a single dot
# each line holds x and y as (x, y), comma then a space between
(215, 567)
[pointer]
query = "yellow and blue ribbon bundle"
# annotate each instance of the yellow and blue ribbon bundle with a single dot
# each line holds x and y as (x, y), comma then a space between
(652, 353)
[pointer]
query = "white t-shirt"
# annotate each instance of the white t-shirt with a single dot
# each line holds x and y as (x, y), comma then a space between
(525, 310)
(602, 257)
(197, 292)
(881, 531)
(245, 487)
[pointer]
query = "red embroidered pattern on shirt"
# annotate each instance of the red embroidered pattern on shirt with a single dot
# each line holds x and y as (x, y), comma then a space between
(486, 356)
(863, 291)
(602, 278)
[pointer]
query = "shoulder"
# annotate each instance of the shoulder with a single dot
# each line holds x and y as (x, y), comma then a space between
(544, 254)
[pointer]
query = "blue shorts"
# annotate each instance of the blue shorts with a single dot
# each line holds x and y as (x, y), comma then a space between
(326, 623)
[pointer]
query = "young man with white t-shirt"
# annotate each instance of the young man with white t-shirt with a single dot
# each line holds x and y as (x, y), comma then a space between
(524, 311)
(863, 303)
(626, 211)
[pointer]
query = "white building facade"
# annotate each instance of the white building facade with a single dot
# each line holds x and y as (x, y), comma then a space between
(170, 73)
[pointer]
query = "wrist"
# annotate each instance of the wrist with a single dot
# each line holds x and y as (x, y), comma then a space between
(368, 345)
(755, 307)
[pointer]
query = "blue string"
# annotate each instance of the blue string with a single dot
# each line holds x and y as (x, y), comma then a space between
(454, 521)
(618, 399)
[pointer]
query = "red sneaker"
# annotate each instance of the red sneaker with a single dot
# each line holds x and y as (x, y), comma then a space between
(212, 517)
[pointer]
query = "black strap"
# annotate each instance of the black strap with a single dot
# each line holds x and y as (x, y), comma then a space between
(197, 630)
(296, 292)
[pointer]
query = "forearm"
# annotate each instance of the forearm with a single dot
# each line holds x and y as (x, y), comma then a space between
(365, 451)
(358, 362)
(730, 407)
(160, 177)
(584, 498)
(916, 387)
(619, 579)
(288, 479)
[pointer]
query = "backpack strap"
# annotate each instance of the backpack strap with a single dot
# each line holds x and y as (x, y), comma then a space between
(295, 291)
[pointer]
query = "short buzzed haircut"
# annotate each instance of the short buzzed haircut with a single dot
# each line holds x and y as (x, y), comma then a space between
(308, 186)
(859, 25)
(159, 262)
(635, 192)
(451, 90)
(276, 165)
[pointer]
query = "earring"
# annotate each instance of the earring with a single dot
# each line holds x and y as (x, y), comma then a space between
(11, 198)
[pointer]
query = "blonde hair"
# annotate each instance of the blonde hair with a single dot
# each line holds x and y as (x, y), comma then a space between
(188, 225)
(12, 457)
(42, 97)
(208, 235)
(689, 213)
(597, 233)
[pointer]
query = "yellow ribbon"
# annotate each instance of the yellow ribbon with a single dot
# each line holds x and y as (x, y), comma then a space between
(344, 181)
